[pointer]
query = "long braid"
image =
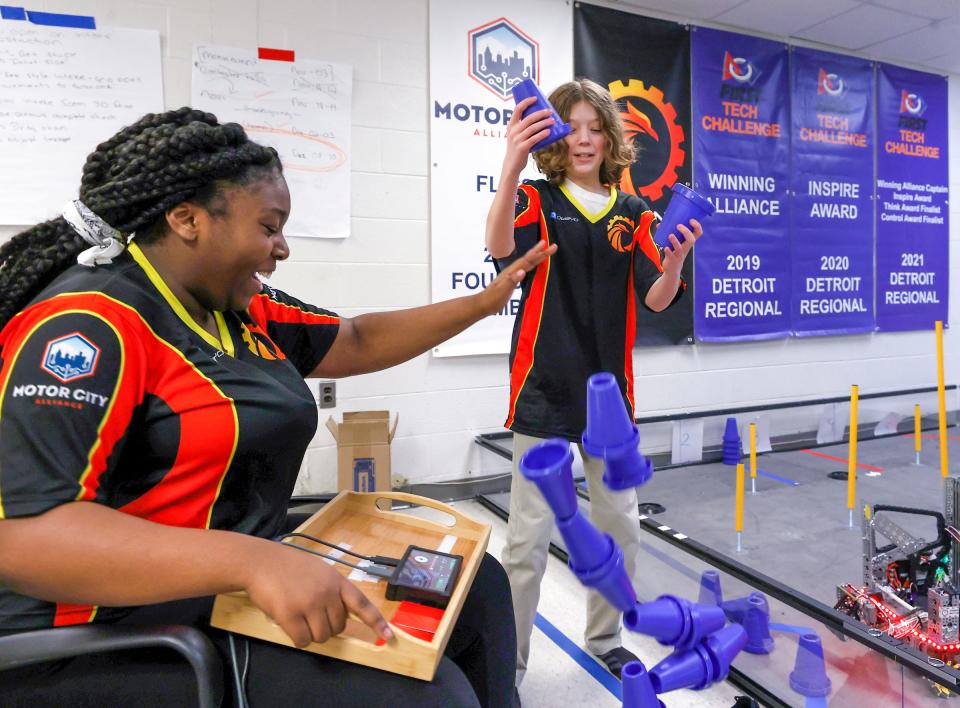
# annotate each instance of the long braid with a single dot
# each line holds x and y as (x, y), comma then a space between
(130, 181)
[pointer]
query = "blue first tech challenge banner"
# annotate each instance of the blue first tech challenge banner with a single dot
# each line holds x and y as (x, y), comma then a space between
(741, 163)
(912, 184)
(832, 212)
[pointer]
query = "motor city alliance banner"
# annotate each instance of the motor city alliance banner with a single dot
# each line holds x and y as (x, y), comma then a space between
(912, 193)
(741, 163)
(832, 177)
(478, 51)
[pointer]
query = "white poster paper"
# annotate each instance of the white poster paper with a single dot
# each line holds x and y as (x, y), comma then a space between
(687, 441)
(63, 91)
(302, 109)
(477, 52)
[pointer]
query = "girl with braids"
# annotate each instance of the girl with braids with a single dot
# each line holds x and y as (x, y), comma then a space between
(153, 417)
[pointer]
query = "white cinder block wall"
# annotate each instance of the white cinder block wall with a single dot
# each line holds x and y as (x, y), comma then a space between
(444, 403)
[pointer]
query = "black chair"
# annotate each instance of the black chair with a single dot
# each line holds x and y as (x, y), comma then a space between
(46, 645)
(37, 647)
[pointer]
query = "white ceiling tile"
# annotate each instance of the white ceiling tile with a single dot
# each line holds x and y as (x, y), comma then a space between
(862, 26)
(931, 9)
(946, 62)
(783, 17)
(702, 9)
(918, 46)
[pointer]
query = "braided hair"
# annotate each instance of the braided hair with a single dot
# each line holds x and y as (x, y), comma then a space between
(130, 181)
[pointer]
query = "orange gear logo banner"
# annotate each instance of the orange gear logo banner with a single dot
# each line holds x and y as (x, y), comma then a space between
(651, 123)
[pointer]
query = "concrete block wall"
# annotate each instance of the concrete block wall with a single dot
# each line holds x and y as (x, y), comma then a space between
(444, 403)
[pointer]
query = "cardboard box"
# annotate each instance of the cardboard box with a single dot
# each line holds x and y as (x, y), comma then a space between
(363, 450)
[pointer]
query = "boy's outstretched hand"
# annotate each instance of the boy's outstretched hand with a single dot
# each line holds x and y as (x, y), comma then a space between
(496, 295)
(676, 253)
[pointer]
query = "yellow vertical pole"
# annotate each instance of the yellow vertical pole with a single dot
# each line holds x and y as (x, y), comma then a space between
(753, 458)
(942, 400)
(852, 461)
(738, 521)
(917, 437)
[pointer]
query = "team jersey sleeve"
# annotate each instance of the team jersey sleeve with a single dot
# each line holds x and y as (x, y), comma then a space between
(526, 223)
(648, 259)
(303, 333)
(66, 401)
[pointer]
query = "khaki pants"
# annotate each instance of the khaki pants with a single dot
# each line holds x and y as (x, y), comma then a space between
(528, 537)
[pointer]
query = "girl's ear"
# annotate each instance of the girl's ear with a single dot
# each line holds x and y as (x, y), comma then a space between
(184, 220)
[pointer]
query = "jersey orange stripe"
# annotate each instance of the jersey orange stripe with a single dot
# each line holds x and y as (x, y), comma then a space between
(644, 238)
(530, 214)
(630, 336)
(269, 310)
(529, 328)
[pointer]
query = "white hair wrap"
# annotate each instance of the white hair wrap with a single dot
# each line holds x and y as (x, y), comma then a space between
(106, 243)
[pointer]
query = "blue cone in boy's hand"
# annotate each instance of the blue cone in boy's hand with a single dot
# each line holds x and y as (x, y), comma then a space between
(697, 668)
(549, 466)
(674, 620)
(612, 435)
(637, 688)
(685, 204)
(710, 591)
(809, 676)
(559, 129)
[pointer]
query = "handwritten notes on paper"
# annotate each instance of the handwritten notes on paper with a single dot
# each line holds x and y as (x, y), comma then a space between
(62, 92)
(300, 108)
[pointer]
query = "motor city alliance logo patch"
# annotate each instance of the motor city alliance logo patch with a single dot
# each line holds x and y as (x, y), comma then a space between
(502, 55)
(70, 357)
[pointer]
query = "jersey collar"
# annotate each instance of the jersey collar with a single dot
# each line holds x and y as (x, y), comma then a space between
(589, 216)
(226, 341)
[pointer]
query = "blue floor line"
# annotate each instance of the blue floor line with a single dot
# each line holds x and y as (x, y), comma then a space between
(770, 475)
(587, 662)
(791, 628)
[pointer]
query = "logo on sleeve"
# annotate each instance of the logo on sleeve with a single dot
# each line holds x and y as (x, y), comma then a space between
(70, 357)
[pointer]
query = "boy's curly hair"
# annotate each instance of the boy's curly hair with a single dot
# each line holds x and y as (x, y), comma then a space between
(619, 153)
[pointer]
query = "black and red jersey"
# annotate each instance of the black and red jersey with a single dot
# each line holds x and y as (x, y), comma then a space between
(111, 393)
(578, 309)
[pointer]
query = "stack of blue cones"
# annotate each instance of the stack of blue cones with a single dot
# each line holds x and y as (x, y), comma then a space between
(731, 443)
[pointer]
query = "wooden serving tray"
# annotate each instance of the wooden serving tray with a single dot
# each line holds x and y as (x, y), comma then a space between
(366, 523)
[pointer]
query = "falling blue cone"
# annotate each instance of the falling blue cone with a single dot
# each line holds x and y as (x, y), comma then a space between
(612, 436)
(637, 688)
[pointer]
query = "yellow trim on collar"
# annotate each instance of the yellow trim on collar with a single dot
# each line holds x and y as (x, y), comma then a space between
(225, 343)
(592, 218)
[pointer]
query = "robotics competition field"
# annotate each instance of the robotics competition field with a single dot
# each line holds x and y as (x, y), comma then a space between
(840, 608)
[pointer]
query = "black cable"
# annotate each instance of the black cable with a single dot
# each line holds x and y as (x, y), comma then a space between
(379, 560)
(370, 569)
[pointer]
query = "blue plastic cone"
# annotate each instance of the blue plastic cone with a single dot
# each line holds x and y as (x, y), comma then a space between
(637, 689)
(756, 622)
(610, 580)
(587, 548)
(731, 443)
(549, 466)
(559, 129)
(710, 590)
(809, 677)
(674, 621)
(612, 435)
(697, 668)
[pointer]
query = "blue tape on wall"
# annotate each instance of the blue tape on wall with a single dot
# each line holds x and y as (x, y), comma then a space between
(53, 19)
(12, 13)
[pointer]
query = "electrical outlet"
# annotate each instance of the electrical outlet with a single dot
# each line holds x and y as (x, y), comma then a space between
(328, 394)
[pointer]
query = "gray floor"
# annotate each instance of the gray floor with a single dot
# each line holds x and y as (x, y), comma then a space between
(800, 534)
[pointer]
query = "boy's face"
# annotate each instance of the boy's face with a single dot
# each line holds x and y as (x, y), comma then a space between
(586, 142)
